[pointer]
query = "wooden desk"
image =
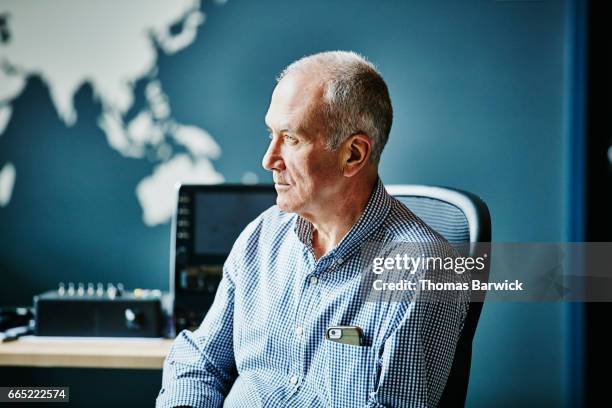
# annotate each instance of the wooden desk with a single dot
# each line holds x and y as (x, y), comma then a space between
(112, 352)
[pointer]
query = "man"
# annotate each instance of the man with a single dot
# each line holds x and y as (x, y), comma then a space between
(295, 270)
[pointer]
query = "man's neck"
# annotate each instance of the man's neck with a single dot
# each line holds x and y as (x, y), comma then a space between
(332, 224)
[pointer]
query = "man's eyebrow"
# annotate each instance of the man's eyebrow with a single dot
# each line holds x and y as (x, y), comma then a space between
(284, 129)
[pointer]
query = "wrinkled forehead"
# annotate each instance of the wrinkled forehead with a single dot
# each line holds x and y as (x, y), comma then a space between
(294, 100)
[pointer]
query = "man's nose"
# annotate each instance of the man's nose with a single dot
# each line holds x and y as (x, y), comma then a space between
(273, 159)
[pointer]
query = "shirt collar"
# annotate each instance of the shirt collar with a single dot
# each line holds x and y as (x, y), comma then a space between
(374, 214)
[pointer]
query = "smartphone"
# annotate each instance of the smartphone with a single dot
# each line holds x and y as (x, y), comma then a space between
(345, 334)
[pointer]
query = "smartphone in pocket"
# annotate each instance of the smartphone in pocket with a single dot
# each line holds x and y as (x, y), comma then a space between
(345, 335)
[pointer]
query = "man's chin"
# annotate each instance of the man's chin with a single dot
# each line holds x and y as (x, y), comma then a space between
(285, 205)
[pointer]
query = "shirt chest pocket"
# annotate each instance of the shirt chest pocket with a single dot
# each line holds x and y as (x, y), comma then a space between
(349, 374)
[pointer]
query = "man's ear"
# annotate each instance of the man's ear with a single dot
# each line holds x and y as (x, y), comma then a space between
(356, 154)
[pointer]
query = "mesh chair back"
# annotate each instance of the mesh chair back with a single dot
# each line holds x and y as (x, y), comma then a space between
(461, 218)
(445, 218)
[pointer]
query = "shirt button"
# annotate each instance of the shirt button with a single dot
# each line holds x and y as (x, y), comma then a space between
(313, 280)
(299, 331)
(293, 380)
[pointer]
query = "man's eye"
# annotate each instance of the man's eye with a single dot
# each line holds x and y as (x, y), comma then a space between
(289, 138)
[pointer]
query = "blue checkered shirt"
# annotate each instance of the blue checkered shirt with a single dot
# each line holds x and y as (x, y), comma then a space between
(262, 342)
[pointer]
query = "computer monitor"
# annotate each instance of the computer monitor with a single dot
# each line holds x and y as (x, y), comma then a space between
(207, 221)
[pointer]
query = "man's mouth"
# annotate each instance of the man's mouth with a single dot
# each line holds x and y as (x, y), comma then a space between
(281, 186)
(280, 182)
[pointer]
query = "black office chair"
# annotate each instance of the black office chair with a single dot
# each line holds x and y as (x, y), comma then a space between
(461, 218)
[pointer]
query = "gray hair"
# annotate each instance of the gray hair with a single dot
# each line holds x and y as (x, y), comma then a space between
(355, 97)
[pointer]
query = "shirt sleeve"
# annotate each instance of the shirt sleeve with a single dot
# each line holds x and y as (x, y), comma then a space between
(418, 355)
(200, 368)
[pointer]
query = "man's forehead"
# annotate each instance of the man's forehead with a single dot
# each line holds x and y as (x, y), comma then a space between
(292, 100)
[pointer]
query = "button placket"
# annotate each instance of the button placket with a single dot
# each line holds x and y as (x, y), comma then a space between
(297, 366)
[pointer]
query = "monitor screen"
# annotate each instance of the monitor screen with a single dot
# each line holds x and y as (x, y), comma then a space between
(220, 217)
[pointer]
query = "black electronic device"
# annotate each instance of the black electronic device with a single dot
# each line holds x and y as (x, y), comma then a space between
(15, 316)
(96, 311)
(206, 222)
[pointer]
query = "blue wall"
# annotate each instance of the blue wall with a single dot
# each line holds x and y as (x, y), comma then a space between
(478, 92)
